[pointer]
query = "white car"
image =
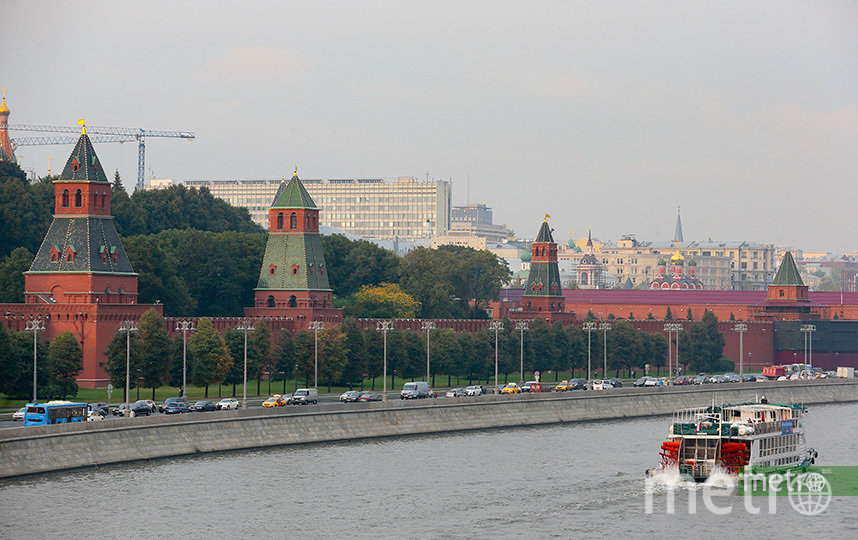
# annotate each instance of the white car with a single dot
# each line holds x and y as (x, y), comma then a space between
(599, 384)
(94, 416)
(227, 404)
(18, 416)
(474, 391)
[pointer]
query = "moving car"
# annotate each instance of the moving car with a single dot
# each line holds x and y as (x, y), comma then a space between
(511, 388)
(526, 386)
(167, 401)
(616, 383)
(148, 403)
(304, 396)
(140, 408)
(274, 401)
(415, 390)
(177, 407)
(474, 391)
(455, 392)
(350, 396)
(99, 408)
(599, 384)
(18, 416)
(562, 386)
(203, 405)
(369, 396)
(93, 416)
(228, 404)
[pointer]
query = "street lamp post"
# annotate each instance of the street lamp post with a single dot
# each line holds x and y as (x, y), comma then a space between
(588, 327)
(521, 326)
(245, 326)
(496, 326)
(384, 327)
(35, 326)
(808, 330)
(315, 326)
(672, 328)
(428, 326)
(741, 328)
(184, 327)
(605, 328)
(128, 328)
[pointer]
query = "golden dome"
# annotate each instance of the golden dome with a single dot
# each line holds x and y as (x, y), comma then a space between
(3, 108)
(677, 257)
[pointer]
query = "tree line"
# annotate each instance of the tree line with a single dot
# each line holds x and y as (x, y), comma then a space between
(350, 356)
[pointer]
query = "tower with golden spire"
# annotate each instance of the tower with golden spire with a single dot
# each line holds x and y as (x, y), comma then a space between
(7, 151)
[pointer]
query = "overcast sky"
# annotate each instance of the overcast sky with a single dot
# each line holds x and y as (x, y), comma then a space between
(606, 115)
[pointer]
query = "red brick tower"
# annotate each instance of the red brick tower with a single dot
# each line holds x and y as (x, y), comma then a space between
(81, 279)
(293, 280)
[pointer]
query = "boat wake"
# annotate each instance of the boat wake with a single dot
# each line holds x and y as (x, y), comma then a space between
(721, 478)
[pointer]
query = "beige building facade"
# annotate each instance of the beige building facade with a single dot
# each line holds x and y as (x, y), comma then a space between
(403, 208)
(740, 266)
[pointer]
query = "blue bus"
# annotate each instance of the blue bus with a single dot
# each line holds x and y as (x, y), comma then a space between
(54, 412)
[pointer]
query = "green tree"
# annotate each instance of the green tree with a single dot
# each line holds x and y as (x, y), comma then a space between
(386, 300)
(304, 356)
(65, 361)
(333, 355)
(284, 357)
(703, 347)
(355, 263)
(689, 315)
(655, 352)
(155, 350)
(624, 347)
(12, 275)
(234, 339)
(668, 316)
(11, 367)
(262, 353)
(356, 353)
(212, 360)
(116, 352)
(159, 278)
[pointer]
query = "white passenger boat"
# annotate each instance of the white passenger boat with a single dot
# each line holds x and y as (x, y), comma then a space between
(735, 435)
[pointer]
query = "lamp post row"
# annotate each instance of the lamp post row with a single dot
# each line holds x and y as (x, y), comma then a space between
(35, 326)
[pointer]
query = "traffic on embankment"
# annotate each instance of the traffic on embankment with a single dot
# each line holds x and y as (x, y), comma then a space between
(39, 449)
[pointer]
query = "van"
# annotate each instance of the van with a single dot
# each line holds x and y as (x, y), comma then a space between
(304, 396)
(415, 390)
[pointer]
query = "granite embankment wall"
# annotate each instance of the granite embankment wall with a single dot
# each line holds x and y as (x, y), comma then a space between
(40, 449)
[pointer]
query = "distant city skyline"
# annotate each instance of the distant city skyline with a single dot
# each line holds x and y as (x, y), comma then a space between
(604, 115)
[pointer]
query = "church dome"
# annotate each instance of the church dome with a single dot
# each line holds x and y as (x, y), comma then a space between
(677, 258)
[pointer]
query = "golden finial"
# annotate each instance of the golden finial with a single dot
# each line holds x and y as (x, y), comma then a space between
(296, 171)
(3, 107)
(546, 217)
(82, 123)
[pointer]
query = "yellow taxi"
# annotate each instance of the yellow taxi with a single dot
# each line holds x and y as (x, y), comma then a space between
(274, 401)
(511, 388)
(562, 386)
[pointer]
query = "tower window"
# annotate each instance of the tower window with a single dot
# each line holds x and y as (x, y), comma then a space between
(65, 198)
(272, 269)
(78, 199)
(293, 221)
(103, 200)
(270, 301)
(293, 302)
(294, 269)
(280, 220)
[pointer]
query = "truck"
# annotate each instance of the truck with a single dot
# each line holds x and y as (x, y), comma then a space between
(845, 372)
(773, 372)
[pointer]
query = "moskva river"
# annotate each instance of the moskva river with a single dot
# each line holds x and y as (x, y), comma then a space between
(574, 480)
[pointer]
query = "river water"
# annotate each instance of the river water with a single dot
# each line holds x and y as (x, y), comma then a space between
(562, 481)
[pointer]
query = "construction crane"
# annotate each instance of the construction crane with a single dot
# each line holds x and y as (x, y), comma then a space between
(99, 134)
